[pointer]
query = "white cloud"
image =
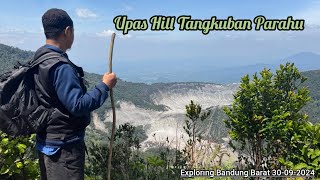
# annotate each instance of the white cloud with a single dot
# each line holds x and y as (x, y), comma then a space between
(20, 30)
(85, 13)
(11, 30)
(311, 15)
(12, 40)
(127, 36)
(125, 8)
(128, 8)
(26, 40)
(260, 39)
(107, 33)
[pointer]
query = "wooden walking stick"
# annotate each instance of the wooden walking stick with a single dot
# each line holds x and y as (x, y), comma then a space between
(113, 109)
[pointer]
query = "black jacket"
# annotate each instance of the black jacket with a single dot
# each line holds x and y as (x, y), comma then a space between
(62, 125)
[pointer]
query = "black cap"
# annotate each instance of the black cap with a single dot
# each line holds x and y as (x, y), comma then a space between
(56, 20)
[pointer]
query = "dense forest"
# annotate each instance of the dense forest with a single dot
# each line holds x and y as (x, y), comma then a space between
(272, 124)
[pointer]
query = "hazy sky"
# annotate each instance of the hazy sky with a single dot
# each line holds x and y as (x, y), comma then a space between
(21, 27)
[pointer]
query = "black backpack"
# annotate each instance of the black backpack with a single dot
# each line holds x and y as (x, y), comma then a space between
(20, 110)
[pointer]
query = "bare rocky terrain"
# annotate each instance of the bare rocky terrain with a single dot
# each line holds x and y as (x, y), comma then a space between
(160, 125)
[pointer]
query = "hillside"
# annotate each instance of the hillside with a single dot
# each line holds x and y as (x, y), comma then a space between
(160, 108)
(137, 93)
(9, 56)
(305, 61)
(313, 84)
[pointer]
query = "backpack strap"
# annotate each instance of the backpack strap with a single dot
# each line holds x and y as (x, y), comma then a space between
(52, 55)
(43, 58)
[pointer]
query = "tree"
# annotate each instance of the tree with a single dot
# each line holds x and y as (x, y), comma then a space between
(194, 114)
(17, 158)
(305, 150)
(261, 114)
(124, 161)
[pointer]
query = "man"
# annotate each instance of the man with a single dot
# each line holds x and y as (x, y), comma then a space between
(59, 85)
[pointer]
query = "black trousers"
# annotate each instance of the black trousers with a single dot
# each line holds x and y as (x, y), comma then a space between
(66, 164)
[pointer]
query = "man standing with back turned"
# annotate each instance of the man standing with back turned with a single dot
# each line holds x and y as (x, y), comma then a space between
(60, 85)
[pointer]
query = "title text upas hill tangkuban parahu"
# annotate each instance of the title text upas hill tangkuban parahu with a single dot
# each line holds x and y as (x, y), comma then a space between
(186, 23)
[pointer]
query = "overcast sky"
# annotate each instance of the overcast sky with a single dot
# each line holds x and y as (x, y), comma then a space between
(21, 27)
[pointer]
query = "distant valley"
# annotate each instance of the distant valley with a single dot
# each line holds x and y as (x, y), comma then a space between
(160, 107)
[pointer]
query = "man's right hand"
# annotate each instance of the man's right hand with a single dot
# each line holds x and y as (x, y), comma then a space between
(109, 79)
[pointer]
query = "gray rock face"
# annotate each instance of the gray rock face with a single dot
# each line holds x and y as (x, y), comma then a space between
(160, 125)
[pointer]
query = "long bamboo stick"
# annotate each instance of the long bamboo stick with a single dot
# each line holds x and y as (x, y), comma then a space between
(113, 109)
